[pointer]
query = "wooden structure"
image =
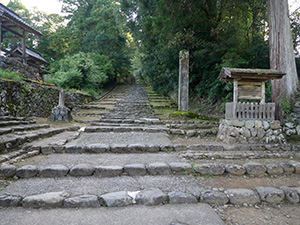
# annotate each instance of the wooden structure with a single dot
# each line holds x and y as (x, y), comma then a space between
(249, 84)
(13, 27)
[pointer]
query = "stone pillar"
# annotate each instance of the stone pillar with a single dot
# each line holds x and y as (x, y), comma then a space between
(60, 112)
(183, 88)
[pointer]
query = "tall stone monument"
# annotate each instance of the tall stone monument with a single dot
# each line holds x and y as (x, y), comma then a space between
(183, 88)
(61, 112)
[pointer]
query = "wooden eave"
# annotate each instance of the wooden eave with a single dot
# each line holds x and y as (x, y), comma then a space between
(11, 23)
(260, 75)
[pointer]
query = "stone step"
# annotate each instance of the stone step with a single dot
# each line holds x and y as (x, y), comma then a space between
(12, 141)
(91, 107)
(156, 168)
(11, 118)
(15, 123)
(93, 192)
(22, 128)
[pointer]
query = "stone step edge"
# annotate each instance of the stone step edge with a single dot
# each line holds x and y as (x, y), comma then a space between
(141, 148)
(13, 143)
(154, 196)
(23, 128)
(253, 169)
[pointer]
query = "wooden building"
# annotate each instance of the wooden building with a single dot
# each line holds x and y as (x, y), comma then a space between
(249, 85)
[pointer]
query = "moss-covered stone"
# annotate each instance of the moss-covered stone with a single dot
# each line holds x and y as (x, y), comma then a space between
(184, 114)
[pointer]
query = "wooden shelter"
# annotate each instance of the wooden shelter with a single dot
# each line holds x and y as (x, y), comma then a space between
(12, 24)
(249, 84)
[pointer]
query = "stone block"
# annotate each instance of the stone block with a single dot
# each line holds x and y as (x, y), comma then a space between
(179, 147)
(154, 148)
(9, 200)
(290, 194)
(74, 149)
(237, 123)
(191, 133)
(97, 148)
(241, 196)
(210, 169)
(181, 168)
(26, 171)
(260, 133)
(249, 124)
(120, 148)
(82, 170)
(270, 194)
(7, 170)
(287, 167)
(214, 148)
(213, 197)
(266, 125)
(137, 148)
(47, 150)
(290, 125)
(258, 124)
(274, 125)
(54, 171)
(83, 201)
(235, 169)
(48, 200)
(274, 169)
(152, 196)
(253, 132)
(159, 169)
(167, 148)
(177, 197)
(135, 169)
(296, 165)
(108, 171)
(255, 169)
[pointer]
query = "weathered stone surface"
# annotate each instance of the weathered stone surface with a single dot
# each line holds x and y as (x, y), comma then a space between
(135, 169)
(74, 149)
(166, 148)
(270, 194)
(136, 147)
(287, 167)
(241, 196)
(266, 125)
(296, 165)
(82, 170)
(108, 171)
(9, 200)
(235, 169)
(298, 130)
(255, 169)
(83, 201)
(274, 125)
(47, 150)
(177, 197)
(118, 148)
(48, 200)
(152, 196)
(26, 171)
(181, 168)
(61, 114)
(54, 171)
(179, 147)
(290, 194)
(258, 124)
(238, 123)
(7, 170)
(159, 169)
(274, 169)
(213, 197)
(97, 148)
(116, 199)
(210, 169)
(249, 124)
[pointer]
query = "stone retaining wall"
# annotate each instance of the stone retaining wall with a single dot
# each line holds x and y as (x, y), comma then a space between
(250, 132)
(33, 99)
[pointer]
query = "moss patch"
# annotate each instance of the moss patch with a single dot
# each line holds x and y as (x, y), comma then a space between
(184, 114)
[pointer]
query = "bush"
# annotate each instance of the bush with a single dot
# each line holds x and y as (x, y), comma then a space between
(10, 75)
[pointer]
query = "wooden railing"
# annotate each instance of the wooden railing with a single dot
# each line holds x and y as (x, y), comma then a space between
(243, 110)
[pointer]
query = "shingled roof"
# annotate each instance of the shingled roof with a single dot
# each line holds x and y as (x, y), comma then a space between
(12, 21)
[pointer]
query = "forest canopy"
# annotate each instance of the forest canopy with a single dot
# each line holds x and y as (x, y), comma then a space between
(99, 40)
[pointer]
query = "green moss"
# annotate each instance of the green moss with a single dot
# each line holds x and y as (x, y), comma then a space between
(184, 114)
(293, 139)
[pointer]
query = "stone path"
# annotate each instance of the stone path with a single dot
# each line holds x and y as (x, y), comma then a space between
(123, 150)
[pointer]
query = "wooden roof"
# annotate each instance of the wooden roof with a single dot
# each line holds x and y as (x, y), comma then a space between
(11, 22)
(230, 74)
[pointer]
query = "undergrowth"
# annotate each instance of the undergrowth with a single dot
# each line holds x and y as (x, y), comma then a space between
(11, 75)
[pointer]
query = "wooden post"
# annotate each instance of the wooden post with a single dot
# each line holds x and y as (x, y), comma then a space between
(183, 88)
(263, 95)
(1, 42)
(24, 47)
(235, 95)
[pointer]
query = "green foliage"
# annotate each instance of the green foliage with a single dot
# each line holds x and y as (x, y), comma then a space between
(82, 71)
(10, 75)
(285, 104)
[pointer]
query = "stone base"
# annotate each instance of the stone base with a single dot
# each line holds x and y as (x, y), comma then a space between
(62, 114)
(250, 132)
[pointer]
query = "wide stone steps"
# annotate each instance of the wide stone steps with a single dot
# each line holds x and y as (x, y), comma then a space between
(8, 130)
(11, 118)
(15, 123)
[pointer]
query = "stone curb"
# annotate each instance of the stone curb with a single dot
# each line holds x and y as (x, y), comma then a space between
(154, 196)
(179, 168)
(177, 147)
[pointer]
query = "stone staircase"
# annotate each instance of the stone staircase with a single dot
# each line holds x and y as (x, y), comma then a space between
(125, 151)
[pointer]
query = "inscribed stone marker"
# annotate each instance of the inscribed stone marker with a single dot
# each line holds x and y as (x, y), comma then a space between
(183, 88)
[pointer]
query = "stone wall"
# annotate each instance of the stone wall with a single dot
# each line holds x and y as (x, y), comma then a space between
(250, 132)
(28, 72)
(32, 99)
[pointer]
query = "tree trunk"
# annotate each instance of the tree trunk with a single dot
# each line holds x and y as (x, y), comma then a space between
(282, 55)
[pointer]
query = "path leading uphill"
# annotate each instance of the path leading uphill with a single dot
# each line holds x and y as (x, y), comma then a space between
(124, 161)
